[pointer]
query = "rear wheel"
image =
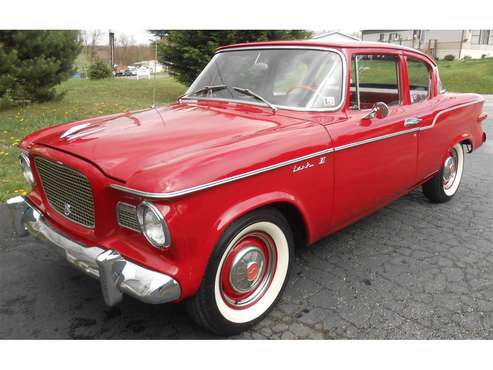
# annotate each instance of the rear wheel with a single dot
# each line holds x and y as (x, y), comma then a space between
(246, 273)
(443, 186)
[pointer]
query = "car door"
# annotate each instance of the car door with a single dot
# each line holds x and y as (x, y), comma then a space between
(375, 158)
(422, 108)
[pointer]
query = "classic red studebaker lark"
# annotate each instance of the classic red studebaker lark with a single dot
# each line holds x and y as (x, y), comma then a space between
(274, 145)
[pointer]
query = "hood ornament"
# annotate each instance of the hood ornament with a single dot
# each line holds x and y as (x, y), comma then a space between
(79, 131)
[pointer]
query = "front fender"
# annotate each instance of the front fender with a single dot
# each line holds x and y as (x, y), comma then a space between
(200, 220)
(248, 205)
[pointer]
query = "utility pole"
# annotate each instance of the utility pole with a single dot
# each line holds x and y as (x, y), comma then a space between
(112, 48)
(461, 42)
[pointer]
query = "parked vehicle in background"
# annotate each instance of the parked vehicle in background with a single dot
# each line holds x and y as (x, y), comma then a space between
(119, 70)
(143, 72)
(153, 65)
(130, 71)
(274, 145)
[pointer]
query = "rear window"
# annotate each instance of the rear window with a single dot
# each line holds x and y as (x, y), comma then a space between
(419, 80)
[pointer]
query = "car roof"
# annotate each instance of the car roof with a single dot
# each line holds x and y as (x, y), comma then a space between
(326, 44)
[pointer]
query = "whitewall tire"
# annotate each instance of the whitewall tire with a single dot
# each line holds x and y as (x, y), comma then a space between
(246, 273)
(444, 185)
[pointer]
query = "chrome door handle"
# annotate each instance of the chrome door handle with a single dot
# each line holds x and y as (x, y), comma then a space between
(412, 121)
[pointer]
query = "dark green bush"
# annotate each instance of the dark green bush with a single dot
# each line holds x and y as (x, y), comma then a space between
(99, 70)
(32, 63)
(449, 57)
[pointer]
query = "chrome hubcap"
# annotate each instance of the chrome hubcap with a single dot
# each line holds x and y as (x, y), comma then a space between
(247, 269)
(450, 170)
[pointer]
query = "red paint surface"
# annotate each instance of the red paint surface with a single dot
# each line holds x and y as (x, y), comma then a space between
(192, 143)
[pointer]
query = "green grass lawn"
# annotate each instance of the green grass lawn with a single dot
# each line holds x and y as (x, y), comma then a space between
(475, 75)
(83, 99)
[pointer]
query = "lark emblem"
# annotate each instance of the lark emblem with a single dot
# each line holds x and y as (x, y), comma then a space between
(307, 165)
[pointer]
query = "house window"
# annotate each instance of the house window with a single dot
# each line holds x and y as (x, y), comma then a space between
(484, 37)
(394, 36)
(382, 37)
(481, 37)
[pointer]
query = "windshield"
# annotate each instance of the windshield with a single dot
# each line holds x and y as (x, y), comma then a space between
(292, 78)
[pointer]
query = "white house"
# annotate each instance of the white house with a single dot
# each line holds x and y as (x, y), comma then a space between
(334, 36)
(438, 43)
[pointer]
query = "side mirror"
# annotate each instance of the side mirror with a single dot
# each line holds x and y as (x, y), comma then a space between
(379, 110)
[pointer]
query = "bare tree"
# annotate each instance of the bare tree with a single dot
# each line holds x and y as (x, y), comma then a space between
(123, 44)
(90, 39)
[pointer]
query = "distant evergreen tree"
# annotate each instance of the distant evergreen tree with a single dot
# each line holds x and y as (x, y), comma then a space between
(187, 52)
(32, 63)
(99, 70)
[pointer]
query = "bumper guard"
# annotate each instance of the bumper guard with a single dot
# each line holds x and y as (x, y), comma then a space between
(116, 274)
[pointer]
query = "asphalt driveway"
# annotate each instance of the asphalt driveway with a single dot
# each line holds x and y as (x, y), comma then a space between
(412, 270)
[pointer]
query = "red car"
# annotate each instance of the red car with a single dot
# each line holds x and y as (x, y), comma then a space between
(274, 145)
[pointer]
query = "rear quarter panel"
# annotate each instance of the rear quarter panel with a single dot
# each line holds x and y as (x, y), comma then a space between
(454, 120)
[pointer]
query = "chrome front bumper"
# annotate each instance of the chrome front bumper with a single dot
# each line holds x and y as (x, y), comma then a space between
(116, 274)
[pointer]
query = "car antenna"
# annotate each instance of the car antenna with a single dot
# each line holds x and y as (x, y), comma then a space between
(154, 77)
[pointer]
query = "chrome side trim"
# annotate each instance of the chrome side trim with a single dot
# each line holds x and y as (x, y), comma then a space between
(423, 128)
(333, 109)
(218, 182)
(282, 164)
(373, 139)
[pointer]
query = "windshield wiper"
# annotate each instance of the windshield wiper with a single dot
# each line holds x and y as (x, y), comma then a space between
(256, 96)
(213, 88)
(205, 89)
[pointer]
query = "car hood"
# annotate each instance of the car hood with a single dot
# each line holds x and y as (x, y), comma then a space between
(171, 148)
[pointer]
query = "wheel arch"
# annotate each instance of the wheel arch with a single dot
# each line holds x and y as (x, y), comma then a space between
(285, 203)
(464, 139)
(468, 143)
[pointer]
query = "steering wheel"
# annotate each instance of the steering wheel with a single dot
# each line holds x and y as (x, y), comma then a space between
(303, 87)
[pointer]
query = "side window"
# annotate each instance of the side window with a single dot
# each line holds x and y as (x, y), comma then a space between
(374, 78)
(441, 88)
(419, 80)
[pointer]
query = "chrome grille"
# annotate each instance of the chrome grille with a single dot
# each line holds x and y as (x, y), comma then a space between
(127, 216)
(68, 191)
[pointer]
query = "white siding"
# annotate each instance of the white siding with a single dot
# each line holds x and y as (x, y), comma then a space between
(438, 43)
(445, 35)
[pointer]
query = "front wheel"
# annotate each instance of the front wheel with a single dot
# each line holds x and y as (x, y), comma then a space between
(246, 273)
(443, 186)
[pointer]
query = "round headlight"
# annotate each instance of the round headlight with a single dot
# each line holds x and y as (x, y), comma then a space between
(153, 226)
(26, 168)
